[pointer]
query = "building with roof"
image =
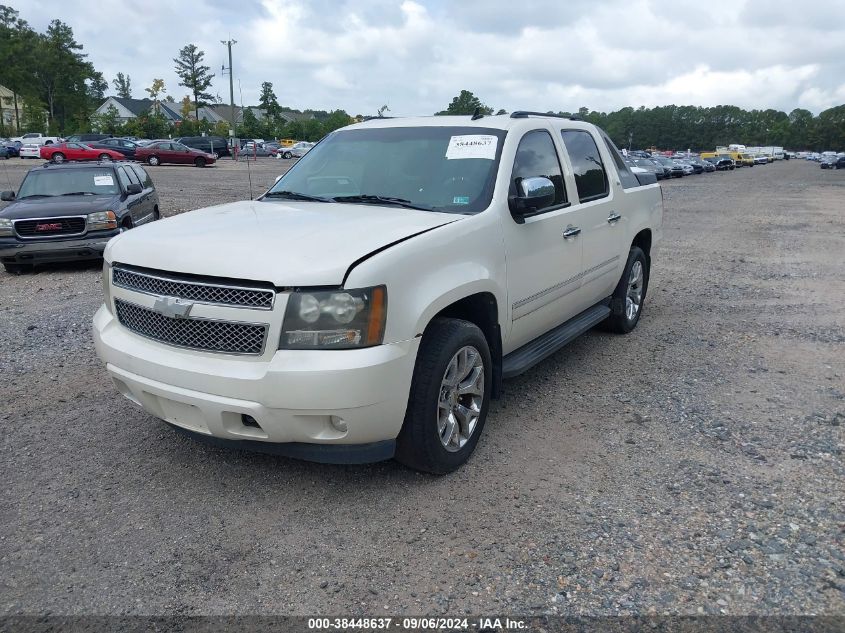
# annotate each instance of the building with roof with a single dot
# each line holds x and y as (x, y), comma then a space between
(128, 109)
(8, 113)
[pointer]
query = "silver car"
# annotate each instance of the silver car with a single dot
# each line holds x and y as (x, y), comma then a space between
(298, 150)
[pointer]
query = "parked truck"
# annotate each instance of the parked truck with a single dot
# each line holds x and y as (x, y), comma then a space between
(37, 138)
(370, 304)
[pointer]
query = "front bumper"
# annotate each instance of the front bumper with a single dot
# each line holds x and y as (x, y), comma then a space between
(14, 251)
(333, 406)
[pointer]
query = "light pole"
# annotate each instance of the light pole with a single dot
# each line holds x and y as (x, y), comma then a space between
(229, 43)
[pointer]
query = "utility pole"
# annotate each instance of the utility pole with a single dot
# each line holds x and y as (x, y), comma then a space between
(229, 43)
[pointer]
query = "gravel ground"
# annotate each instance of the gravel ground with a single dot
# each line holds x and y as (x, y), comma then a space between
(694, 466)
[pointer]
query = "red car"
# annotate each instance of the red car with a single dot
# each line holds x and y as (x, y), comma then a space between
(167, 151)
(60, 152)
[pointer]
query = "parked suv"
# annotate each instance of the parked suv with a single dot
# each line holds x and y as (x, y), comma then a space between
(370, 304)
(217, 146)
(69, 211)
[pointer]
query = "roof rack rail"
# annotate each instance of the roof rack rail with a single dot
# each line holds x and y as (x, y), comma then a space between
(524, 114)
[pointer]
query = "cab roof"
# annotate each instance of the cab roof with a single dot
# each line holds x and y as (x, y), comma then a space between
(497, 121)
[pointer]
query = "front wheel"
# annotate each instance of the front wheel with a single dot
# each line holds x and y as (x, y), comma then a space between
(288, 155)
(17, 269)
(58, 157)
(153, 160)
(105, 157)
(199, 162)
(450, 395)
(626, 303)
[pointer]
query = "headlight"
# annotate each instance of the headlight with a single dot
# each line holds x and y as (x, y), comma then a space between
(5, 226)
(102, 221)
(107, 285)
(335, 319)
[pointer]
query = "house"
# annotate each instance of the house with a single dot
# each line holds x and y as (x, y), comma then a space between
(8, 114)
(128, 109)
(217, 113)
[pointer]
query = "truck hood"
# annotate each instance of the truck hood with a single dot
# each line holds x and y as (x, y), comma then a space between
(286, 244)
(58, 206)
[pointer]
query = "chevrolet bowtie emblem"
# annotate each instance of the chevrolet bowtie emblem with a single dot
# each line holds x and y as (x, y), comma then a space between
(173, 308)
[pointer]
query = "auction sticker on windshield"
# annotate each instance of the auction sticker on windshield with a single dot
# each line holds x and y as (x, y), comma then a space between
(103, 181)
(472, 146)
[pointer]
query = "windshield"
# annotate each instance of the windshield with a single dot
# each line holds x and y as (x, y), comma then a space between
(69, 181)
(449, 169)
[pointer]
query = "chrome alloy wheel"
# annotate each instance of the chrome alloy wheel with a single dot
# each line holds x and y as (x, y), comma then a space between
(461, 398)
(635, 291)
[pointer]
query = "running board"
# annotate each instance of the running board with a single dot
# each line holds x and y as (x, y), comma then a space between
(524, 358)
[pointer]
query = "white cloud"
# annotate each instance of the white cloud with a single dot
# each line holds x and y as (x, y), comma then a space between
(415, 55)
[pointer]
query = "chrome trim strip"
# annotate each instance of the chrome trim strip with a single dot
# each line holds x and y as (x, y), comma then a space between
(266, 327)
(559, 286)
(84, 218)
(188, 282)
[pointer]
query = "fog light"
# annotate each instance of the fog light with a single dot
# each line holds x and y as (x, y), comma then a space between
(339, 424)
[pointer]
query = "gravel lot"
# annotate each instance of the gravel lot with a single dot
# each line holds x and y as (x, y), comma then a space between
(694, 466)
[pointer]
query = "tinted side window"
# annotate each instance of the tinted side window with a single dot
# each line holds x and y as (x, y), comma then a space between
(142, 175)
(124, 179)
(590, 177)
(537, 156)
(133, 177)
(626, 177)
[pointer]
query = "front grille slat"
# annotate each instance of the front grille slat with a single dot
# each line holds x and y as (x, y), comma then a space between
(48, 227)
(230, 337)
(187, 289)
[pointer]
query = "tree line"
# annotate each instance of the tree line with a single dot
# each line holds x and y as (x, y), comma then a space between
(58, 89)
(697, 127)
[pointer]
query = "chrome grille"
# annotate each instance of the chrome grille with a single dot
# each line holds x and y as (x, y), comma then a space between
(195, 291)
(230, 337)
(48, 227)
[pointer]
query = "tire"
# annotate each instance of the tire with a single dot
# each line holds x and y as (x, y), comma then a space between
(625, 308)
(216, 155)
(126, 225)
(156, 214)
(287, 155)
(448, 346)
(199, 162)
(58, 157)
(153, 160)
(17, 269)
(104, 157)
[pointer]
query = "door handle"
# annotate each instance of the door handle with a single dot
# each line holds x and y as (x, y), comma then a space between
(571, 231)
(613, 217)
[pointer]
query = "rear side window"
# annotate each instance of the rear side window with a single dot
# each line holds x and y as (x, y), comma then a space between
(537, 156)
(626, 177)
(590, 177)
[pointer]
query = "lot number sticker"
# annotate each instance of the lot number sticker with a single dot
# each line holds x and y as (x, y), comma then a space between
(472, 146)
(103, 181)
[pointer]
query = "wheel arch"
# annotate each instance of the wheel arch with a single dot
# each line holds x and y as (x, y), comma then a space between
(643, 240)
(481, 309)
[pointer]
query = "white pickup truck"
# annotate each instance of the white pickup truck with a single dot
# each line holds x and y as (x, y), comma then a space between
(37, 138)
(370, 304)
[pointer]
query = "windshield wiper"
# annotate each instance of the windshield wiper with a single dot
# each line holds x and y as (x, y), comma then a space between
(295, 195)
(37, 195)
(78, 193)
(370, 199)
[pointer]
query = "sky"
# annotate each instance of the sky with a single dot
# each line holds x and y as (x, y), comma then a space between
(415, 55)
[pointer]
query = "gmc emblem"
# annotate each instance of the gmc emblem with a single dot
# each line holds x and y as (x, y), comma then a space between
(55, 226)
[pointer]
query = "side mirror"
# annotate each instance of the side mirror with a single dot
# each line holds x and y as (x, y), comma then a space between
(134, 188)
(7, 196)
(533, 194)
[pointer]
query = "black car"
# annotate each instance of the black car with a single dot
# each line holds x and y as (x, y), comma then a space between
(68, 211)
(86, 138)
(122, 145)
(217, 146)
(721, 163)
(13, 148)
(832, 162)
(674, 167)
